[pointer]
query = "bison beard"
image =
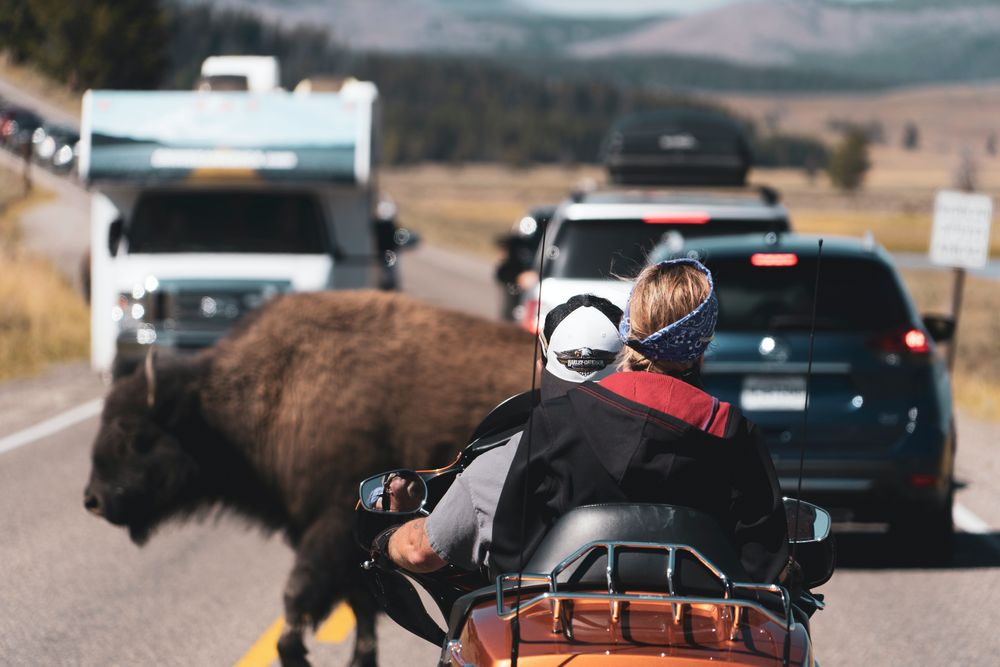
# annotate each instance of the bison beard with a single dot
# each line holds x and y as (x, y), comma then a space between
(283, 417)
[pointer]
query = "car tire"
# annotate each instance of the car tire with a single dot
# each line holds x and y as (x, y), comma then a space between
(925, 535)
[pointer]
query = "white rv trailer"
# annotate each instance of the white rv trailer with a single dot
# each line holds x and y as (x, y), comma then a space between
(206, 204)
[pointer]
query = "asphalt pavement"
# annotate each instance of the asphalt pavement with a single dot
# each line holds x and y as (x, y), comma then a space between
(75, 591)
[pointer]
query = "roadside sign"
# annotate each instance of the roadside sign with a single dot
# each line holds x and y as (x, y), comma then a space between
(960, 237)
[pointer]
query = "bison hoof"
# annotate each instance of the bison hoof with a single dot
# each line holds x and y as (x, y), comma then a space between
(292, 652)
(365, 660)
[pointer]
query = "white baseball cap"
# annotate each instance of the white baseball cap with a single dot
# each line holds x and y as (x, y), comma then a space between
(580, 342)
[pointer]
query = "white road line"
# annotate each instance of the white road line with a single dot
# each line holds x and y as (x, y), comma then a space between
(970, 523)
(52, 425)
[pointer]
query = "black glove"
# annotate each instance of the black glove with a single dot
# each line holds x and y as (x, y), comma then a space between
(379, 550)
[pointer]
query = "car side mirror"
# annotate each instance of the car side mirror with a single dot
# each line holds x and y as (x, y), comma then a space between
(940, 327)
(406, 238)
(116, 230)
(394, 492)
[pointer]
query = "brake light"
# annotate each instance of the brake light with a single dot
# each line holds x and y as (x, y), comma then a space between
(897, 342)
(923, 480)
(692, 218)
(916, 341)
(529, 320)
(774, 259)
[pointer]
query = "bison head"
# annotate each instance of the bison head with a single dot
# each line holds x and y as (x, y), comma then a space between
(141, 471)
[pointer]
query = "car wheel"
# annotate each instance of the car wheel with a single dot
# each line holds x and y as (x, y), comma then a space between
(925, 535)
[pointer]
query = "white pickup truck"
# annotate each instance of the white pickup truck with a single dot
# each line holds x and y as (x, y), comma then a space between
(206, 204)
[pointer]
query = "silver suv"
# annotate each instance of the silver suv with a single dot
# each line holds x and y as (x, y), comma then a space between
(597, 238)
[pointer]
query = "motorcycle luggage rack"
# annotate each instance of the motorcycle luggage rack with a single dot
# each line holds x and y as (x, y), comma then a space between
(616, 597)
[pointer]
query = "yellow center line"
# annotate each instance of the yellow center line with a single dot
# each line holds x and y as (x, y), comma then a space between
(265, 650)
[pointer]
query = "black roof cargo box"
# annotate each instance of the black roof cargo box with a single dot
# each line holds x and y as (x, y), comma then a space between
(677, 147)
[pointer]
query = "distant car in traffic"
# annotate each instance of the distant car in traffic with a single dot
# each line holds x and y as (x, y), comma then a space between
(597, 238)
(55, 146)
(17, 125)
(879, 445)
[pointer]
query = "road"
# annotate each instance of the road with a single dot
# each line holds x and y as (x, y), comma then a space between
(75, 591)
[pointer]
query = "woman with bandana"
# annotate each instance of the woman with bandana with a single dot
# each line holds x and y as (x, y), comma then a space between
(648, 433)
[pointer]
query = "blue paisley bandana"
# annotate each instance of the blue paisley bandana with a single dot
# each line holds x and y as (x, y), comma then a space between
(687, 338)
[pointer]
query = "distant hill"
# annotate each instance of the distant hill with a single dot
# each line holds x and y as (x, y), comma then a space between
(753, 45)
(908, 41)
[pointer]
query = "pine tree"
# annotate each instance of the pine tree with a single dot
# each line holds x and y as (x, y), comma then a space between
(911, 137)
(849, 161)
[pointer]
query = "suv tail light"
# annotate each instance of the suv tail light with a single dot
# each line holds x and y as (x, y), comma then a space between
(906, 341)
(774, 259)
(529, 320)
(691, 218)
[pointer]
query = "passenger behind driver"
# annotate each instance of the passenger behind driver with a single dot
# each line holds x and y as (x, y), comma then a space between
(579, 343)
(648, 434)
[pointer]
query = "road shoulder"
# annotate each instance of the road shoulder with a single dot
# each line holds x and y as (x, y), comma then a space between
(28, 401)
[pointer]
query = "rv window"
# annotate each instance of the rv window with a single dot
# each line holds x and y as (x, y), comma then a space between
(228, 222)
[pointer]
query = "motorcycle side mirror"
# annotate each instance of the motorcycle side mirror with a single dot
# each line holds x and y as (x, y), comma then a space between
(394, 492)
(806, 522)
(406, 239)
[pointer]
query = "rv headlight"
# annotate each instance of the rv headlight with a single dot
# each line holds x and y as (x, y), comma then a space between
(146, 335)
(128, 311)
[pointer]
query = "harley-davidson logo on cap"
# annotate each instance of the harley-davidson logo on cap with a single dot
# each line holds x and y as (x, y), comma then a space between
(585, 360)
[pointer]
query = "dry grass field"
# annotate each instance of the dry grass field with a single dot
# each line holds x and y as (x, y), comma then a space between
(465, 208)
(949, 118)
(42, 318)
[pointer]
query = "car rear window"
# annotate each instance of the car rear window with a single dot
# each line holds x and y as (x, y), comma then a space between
(598, 249)
(224, 222)
(855, 294)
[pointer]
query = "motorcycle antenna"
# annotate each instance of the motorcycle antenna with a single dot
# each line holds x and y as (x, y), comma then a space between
(805, 435)
(516, 624)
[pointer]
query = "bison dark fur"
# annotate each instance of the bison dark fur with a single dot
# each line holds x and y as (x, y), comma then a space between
(283, 418)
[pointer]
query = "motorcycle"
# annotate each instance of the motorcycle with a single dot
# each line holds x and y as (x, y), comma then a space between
(617, 583)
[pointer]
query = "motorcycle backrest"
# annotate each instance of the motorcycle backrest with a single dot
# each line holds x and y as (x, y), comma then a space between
(640, 570)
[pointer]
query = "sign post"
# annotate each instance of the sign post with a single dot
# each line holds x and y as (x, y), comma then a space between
(960, 239)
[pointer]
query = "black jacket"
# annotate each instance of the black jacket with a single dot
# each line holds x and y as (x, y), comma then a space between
(643, 437)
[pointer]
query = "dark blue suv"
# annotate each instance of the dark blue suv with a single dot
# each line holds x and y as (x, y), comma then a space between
(880, 444)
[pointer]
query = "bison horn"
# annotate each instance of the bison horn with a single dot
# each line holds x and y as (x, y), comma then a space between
(150, 379)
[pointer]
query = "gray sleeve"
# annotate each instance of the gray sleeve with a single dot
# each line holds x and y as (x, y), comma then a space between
(460, 528)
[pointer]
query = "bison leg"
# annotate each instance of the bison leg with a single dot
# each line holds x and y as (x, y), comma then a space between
(360, 599)
(326, 563)
(291, 646)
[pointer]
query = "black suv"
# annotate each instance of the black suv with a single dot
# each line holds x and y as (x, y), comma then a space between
(880, 441)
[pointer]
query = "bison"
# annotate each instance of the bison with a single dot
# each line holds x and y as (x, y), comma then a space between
(282, 418)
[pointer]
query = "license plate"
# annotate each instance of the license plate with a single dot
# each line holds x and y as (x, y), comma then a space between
(783, 392)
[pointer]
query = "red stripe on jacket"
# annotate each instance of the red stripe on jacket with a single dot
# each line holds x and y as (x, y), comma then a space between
(672, 396)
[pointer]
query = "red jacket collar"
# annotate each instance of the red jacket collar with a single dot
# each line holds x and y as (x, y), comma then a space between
(672, 396)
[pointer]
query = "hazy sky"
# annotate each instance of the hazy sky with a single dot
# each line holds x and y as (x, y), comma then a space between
(623, 7)
(628, 7)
